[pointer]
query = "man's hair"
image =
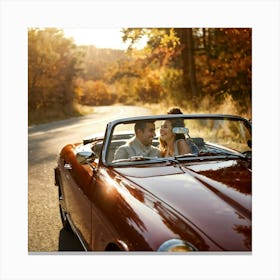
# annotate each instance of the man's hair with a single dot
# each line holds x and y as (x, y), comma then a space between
(141, 125)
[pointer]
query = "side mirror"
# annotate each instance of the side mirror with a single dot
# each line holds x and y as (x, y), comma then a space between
(84, 157)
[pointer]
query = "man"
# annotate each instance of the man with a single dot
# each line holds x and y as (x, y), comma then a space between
(141, 143)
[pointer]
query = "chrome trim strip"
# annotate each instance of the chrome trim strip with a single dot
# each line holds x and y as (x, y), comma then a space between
(76, 232)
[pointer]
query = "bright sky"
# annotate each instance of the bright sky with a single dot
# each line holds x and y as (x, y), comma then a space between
(99, 37)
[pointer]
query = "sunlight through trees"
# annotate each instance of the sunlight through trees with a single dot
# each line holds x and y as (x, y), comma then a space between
(195, 68)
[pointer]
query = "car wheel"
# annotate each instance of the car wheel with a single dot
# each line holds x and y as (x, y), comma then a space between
(63, 216)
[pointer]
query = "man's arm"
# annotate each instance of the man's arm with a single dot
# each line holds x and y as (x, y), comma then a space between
(156, 152)
(121, 153)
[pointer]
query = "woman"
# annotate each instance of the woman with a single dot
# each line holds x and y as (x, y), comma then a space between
(172, 144)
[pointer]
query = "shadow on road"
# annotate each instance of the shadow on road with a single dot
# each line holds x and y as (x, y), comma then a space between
(68, 241)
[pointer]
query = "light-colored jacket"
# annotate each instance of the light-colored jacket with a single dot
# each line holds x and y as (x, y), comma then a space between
(134, 147)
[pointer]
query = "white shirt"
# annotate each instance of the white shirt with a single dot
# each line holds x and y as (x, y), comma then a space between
(135, 148)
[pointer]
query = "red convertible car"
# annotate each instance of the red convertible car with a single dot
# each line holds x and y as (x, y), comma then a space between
(116, 196)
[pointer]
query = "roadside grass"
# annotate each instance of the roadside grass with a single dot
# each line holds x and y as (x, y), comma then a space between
(229, 106)
(57, 114)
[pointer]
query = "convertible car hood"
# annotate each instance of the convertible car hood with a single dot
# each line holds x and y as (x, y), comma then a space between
(214, 196)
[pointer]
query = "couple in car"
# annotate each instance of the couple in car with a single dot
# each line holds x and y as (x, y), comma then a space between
(171, 144)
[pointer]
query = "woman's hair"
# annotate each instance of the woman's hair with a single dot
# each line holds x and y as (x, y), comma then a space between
(174, 123)
(174, 110)
(177, 122)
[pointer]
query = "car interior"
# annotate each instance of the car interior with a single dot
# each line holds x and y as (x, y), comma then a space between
(118, 141)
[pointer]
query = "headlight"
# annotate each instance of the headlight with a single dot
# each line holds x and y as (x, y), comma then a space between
(176, 245)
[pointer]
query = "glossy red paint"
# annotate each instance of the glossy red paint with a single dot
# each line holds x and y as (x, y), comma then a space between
(216, 208)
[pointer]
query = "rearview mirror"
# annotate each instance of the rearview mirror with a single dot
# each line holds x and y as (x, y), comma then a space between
(180, 130)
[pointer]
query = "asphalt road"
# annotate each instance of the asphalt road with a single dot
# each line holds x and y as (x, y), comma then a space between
(45, 233)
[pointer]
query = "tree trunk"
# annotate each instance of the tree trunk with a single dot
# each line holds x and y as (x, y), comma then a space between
(189, 73)
(206, 47)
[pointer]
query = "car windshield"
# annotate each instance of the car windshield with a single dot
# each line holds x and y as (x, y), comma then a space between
(156, 140)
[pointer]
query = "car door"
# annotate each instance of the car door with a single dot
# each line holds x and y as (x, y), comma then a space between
(77, 185)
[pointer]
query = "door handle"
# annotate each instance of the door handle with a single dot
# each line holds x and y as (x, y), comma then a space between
(67, 166)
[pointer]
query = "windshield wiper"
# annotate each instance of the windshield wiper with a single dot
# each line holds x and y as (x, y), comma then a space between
(219, 150)
(227, 153)
(143, 158)
(210, 154)
(132, 159)
(187, 156)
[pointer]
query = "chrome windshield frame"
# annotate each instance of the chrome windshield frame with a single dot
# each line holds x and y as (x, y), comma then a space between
(111, 125)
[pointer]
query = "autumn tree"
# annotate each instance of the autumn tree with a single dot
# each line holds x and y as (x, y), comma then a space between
(204, 62)
(225, 63)
(169, 48)
(96, 61)
(52, 65)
